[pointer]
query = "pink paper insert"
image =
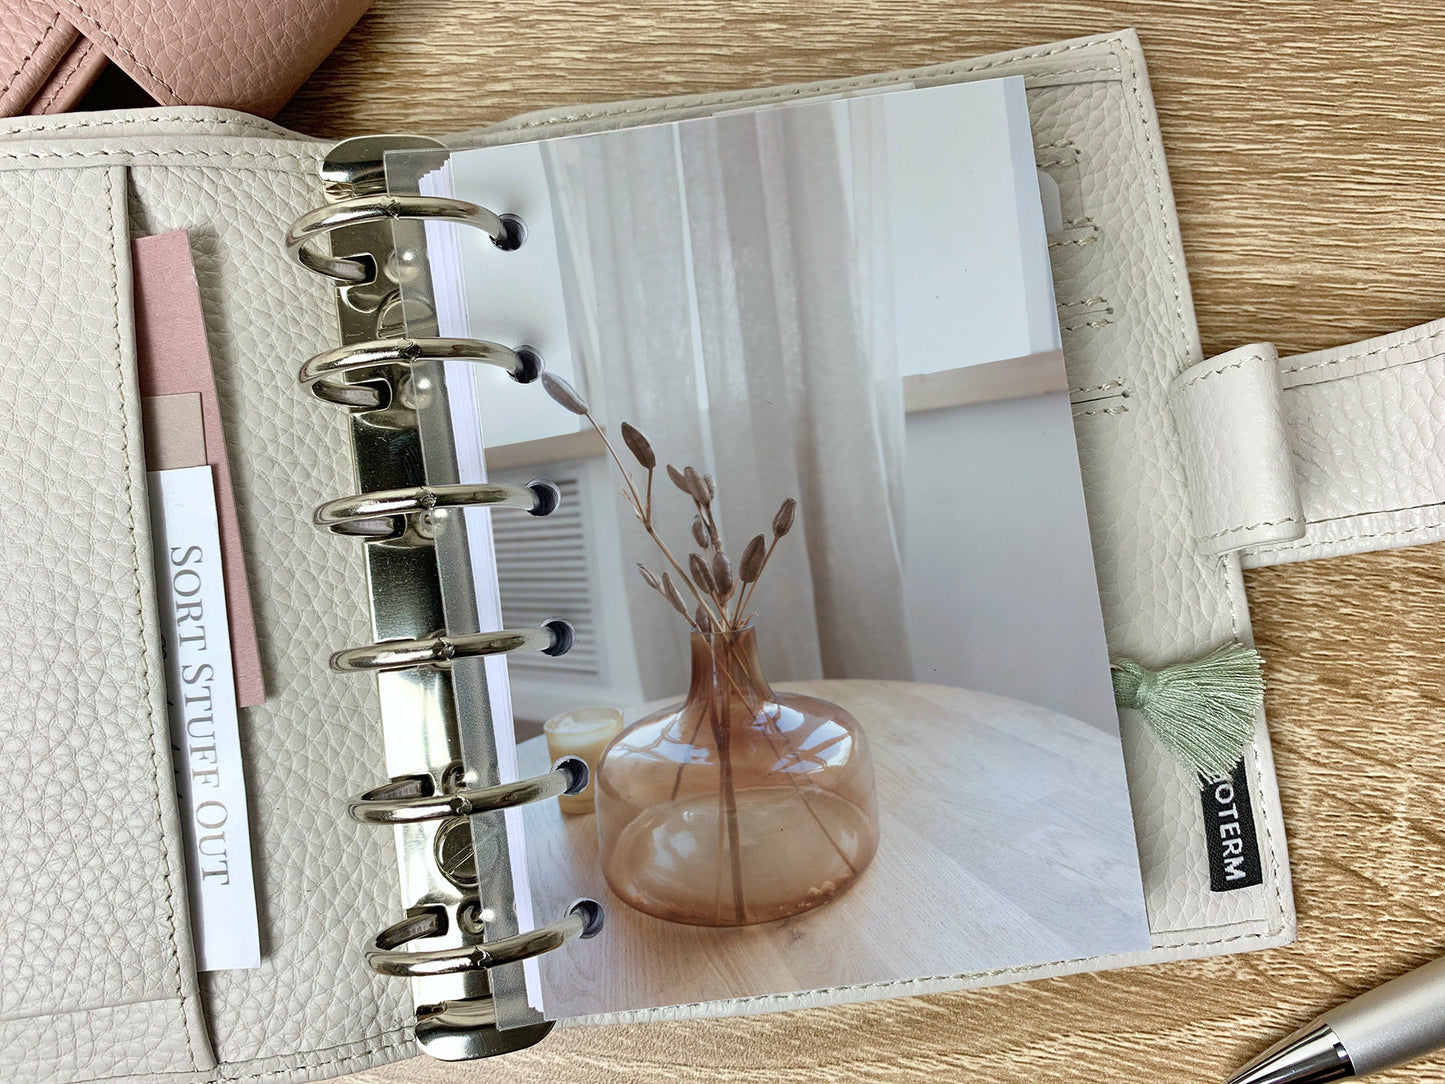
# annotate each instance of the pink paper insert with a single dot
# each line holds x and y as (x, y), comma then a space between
(174, 359)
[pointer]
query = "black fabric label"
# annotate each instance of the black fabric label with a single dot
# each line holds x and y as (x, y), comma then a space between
(1229, 833)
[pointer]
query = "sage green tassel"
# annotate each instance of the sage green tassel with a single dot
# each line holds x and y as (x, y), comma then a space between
(1203, 711)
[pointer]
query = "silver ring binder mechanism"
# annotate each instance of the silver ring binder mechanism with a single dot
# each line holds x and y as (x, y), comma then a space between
(553, 638)
(583, 919)
(376, 514)
(326, 373)
(361, 210)
(401, 804)
(459, 942)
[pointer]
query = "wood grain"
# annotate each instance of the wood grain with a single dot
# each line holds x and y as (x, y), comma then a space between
(1304, 143)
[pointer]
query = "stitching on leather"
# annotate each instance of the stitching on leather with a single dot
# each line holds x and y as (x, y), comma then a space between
(358, 1049)
(147, 120)
(1108, 385)
(111, 38)
(44, 37)
(52, 94)
(1222, 568)
(1382, 512)
(1368, 353)
(1105, 322)
(808, 89)
(1325, 543)
(1162, 207)
(1252, 527)
(169, 155)
(1216, 372)
(117, 211)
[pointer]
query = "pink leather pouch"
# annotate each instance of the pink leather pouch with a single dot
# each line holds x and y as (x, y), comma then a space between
(246, 54)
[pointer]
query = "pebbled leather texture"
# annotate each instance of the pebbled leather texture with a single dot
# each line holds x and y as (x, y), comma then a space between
(1366, 429)
(313, 1010)
(95, 941)
(89, 811)
(179, 51)
(1230, 413)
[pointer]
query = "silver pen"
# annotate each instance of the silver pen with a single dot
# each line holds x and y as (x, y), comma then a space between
(1390, 1024)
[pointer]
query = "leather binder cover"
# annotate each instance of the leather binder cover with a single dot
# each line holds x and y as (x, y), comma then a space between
(99, 977)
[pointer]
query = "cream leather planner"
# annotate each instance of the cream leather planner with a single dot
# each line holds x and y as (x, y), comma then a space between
(892, 388)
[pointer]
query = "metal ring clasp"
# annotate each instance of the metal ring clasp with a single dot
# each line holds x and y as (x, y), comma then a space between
(378, 514)
(301, 238)
(583, 920)
(325, 373)
(553, 638)
(568, 776)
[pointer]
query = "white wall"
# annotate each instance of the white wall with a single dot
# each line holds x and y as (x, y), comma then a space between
(1000, 483)
(971, 275)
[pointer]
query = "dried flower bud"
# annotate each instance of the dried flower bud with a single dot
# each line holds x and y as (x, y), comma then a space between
(563, 393)
(639, 445)
(711, 487)
(669, 592)
(647, 574)
(701, 574)
(722, 575)
(696, 487)
(699, 532)
(678, 479)
(702, 619)
(783, 521)
(751, 566)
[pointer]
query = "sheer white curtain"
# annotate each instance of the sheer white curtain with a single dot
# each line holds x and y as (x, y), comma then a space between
(729, 294)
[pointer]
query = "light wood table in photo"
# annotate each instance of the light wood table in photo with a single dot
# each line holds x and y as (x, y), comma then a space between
(1303, 139)
(1006, 839)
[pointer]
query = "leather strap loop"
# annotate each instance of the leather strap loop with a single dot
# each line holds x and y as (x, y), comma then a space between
(1236, 451)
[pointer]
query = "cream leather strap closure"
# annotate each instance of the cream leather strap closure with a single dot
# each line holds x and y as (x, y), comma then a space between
(1230, 413)
(306, 231)
(387, 805)
(379, 514)
(326, 374)
(1320, 454)
(582, 920)
(553, 638)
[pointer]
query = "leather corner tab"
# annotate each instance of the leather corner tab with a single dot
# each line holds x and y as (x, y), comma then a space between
(1231, 422)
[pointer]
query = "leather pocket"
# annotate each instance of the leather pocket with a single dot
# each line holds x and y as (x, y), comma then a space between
(99, 978)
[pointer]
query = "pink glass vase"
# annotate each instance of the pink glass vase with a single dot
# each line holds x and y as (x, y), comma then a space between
(739, 805)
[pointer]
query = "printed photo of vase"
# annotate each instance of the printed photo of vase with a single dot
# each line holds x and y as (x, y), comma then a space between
(738, 805)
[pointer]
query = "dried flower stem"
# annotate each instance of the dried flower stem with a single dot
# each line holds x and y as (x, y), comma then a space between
(712, 581)
(642, 507)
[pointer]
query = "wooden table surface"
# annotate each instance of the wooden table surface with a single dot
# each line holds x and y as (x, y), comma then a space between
(1306, 143)
(1005, 839)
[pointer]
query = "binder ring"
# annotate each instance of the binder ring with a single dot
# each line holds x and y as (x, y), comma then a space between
(553, 638)
(568, 776)
(324, 374)
(583, 920)
(376, 514)
(306, 230)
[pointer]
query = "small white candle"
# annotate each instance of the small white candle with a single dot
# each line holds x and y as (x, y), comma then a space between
(584, 733)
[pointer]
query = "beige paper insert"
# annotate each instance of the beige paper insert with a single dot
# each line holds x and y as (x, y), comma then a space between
(175, 433)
